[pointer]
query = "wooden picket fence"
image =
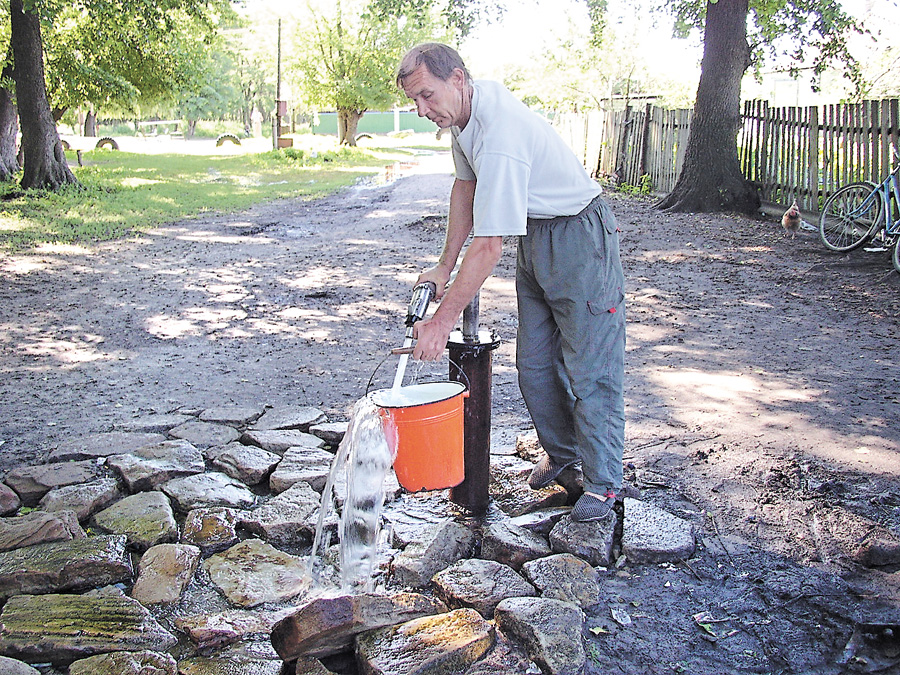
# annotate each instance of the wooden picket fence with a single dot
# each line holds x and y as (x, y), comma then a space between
(789, 152)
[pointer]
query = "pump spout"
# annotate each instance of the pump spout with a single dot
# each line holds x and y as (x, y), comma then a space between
(422, 295)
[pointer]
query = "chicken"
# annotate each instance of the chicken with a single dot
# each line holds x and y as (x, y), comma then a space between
(791, 220)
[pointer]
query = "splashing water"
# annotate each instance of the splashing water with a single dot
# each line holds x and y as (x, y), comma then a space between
(365, 455)
(401, 366)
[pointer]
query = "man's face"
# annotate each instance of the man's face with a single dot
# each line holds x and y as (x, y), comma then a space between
(444, 102)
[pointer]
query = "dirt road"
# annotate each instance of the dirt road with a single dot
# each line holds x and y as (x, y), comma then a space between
(762, 387)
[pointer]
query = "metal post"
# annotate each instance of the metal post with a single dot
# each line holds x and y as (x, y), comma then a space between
(470, 363)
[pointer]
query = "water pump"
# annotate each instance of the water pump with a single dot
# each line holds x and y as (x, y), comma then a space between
(421, 297)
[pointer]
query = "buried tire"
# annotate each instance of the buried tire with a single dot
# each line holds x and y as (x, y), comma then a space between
(227, 137)
(107, 142)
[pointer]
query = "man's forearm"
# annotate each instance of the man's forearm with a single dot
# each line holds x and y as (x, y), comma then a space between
(479, 261)
(459, 222)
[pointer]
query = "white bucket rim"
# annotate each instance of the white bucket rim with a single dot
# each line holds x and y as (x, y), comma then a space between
(443, 393)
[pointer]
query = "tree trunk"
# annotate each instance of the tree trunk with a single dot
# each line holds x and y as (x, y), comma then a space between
(711, 178)
(45, 163)
(348, 121)
(90, 124)
(9, 127)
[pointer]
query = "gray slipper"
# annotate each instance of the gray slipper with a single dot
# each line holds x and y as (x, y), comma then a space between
(589, 508)
(547, 471)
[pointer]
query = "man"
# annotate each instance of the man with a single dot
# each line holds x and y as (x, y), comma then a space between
(515, 176)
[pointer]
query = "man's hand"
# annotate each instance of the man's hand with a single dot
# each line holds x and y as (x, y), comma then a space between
(431, 335)
(437, 275)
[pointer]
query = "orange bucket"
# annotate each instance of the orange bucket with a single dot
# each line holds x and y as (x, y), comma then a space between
(426, 421)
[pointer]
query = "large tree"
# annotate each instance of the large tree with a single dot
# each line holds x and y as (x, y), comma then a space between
(9, 121)
(711, 177)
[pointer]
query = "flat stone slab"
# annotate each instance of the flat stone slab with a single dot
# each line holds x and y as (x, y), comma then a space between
(145, 518)
(279, 441)
(10, 666)
(287, 518)
(39, 527)
(159, 423)
(92, 446)
(591, 541)
(205, 434)
(290, 417)
(211, 529)
(253, 572)
(150, 466)
(549, 629)
(212, 631)
(126, 663)
(442, 545)
(247, 463)
(201, 665)
(33, 482)
(76, 565)
(232, 415)
(310, 465)
(652, 535)
(208, 489)
(60, 629)
(330, 432)
(564, 577)
(480, 584)
(541, 521)
(164, 572)
(84, 499)
(9, 500)
(512, 545)
(433, 645)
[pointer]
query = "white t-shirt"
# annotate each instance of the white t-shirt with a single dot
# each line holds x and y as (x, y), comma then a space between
(523, 167)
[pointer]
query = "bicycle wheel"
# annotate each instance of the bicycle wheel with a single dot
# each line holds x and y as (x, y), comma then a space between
(895, 256)
(850, 217)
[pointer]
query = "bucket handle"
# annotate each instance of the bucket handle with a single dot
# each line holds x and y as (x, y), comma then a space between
(381, 363)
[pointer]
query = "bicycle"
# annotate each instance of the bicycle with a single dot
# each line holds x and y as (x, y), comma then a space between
(860, 212)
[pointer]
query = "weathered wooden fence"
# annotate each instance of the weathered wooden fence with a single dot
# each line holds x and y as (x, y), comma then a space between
(802, 153)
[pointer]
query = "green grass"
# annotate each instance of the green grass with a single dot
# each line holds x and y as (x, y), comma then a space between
(126, 193)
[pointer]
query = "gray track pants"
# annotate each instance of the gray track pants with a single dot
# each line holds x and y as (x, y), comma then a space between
(570, 350)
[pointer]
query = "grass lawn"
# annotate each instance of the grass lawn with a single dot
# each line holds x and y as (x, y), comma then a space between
(122, 193)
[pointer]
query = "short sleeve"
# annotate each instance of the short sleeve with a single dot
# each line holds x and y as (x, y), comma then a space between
(464, 170)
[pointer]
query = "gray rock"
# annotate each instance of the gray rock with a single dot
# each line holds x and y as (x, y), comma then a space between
(33, 482)
(247, 463)
(158, 423)
(211, 529)
(85, 499)
(216, 665)
(507, 656)
(9, 500)
(145, 518)
(76, 565)
(310, 465)
(415, 516)
(60, 629)
(442, 546)
(208, 489)
(10, 666)
(288, 518)
(591, 541)
(542, 520)
(330, 432)
(39, 527)
(651, 535)
(434, 645)
(164, 572)
(480, 584)
(528, 446)
(503, 442)
(513, 496)
(233, 415)
(150, 466)
(93, 446)
(327, 625)
(279, 441)
(564, 577)
(290, 417)
(126, 663)
(512, 465)
(205, 434)
(512, 545)
(253, 572)
(549, 629)
(213, 631)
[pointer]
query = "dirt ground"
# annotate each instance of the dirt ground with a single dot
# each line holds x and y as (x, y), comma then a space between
(762, 392)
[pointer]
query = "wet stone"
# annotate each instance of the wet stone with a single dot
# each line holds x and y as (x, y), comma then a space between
(247, 463)
(290, 417)
(528, 446)
(513, 496)
(93, 446)
(591, 541)
(85, 499)
(199, 665)
(549, 629)
(512, 466)
(60, 629)
(126, 663)
(159, 423)
(164, 572)
(208, 489)
(39, 527)
(288, 518)
(326, 626)
(652, 535)
(434, 645)
(480, 584)
(33, 482)
(413, 516)
(506, 657)
(310, 465)
(75, 565)
(564, 577)
(210, 631)
(9, 500)
(205, 434)
(279, 441)
(391, 487)
(542, 520)
(503, 442)
(10, 666)
(233, 416)
(442, 546)
(330, 432)
(512, 545)
(150, 466)
(211, 529)
(145, 518)
(253, 572)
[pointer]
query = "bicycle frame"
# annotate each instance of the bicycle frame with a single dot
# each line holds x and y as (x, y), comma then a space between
(889, 189)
